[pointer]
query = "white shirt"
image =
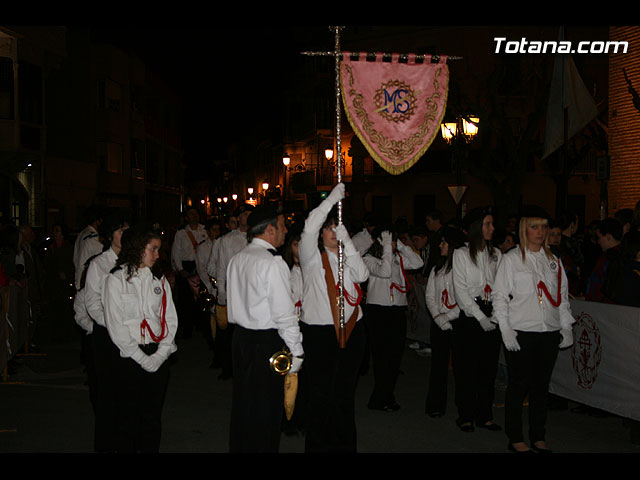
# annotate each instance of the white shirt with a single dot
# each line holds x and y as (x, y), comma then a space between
(87, 245)
(206, 261)
(259, 293)
(128, 303)
(183, 248)
(387, 271)
(362, 241)
(315, 300)
(526, 311)
(81, 316)
(230, 244)
(438, 302)
(470, 280)
(97, 273)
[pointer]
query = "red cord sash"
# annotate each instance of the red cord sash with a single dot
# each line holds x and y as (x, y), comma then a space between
(445, 300)
(400, 288)
(542, 287)
(163, 322)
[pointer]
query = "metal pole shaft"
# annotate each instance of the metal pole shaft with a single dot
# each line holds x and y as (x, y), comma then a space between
(337, 59)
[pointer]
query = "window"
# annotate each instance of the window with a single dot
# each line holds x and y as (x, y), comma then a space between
(110, 156)
(109, 95)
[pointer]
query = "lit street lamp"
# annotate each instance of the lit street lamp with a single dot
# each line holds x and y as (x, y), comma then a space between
(458, 134)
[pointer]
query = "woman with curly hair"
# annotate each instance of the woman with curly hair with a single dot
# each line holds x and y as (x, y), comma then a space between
(141, 320)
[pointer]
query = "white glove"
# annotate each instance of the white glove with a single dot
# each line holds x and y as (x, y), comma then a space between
(151, 363)
(336, 194)
(342, 234)
(509, 338)
(385, 238)
(486, 324)
(296, 363)
(567, 338)
(442, 322)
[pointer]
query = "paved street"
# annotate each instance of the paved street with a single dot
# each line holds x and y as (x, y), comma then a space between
(45, 408)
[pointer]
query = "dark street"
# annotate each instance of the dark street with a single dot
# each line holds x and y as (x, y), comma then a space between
(45, 408)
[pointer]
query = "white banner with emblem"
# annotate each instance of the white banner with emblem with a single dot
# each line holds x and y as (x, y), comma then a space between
(602, 368)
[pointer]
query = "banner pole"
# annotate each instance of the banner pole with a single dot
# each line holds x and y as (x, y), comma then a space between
(337, 59)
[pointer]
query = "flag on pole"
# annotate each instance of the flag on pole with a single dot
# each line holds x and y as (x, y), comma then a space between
(568, 91)
(395, 108)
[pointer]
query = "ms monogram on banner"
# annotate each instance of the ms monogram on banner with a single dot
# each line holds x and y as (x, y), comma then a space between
(395, 101)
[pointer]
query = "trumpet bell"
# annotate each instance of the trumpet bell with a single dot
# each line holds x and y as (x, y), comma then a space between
(280, 362)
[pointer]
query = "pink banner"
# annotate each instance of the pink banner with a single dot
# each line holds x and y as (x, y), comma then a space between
(395, 108)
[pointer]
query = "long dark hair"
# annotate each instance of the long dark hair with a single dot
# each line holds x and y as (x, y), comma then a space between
(476, 239)
(134, 243)
(455, 238)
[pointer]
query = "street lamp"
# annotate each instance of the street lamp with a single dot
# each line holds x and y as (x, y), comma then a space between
(234, 196)
(250, 191)
(286, 160)
(265, 185)
(458, 134)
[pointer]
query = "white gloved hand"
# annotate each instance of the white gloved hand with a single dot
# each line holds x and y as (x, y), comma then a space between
(509, 338)
(567, 338)
(486, 324)
(342, 234)
(442, 322)
(336, 194)
(296, 363)
(151, 363)
(385, 238)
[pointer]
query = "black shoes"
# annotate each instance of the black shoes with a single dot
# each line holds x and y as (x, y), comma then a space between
(466, 427)
(511, 448)
(491, 426)
(392, 407)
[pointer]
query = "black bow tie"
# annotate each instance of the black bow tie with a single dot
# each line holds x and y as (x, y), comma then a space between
(273, 252)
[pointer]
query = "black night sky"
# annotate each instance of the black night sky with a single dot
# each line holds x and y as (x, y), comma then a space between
(230, 79)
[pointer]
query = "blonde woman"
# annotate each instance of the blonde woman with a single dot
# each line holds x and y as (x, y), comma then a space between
(531, 305)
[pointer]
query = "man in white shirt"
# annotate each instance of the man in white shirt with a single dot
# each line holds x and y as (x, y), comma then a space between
(184, 253)
(88, 242)
(229, 244)
(261, 308)
(102, 350)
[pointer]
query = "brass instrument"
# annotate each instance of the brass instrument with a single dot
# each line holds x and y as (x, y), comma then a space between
(280, 362)
(205, 299)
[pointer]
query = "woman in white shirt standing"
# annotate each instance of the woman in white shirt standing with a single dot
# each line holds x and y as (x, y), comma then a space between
(441, 303)
(331, 372)
(476, 340)
(387, 259)
(532, 309)
(141, 320)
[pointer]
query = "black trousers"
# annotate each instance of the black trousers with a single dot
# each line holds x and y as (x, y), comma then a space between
(475, 363)
(387, 336)
(104, 354)
(529, 371)
(331, 377)
(258, 393)
(441, 347)
(139, 400)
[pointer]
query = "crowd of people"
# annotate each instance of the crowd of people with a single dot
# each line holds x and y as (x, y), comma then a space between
(337, 295)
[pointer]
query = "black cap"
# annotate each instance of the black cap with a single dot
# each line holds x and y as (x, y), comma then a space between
(475, 215)
(245, 207)
(534, 211)
(261, 214)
